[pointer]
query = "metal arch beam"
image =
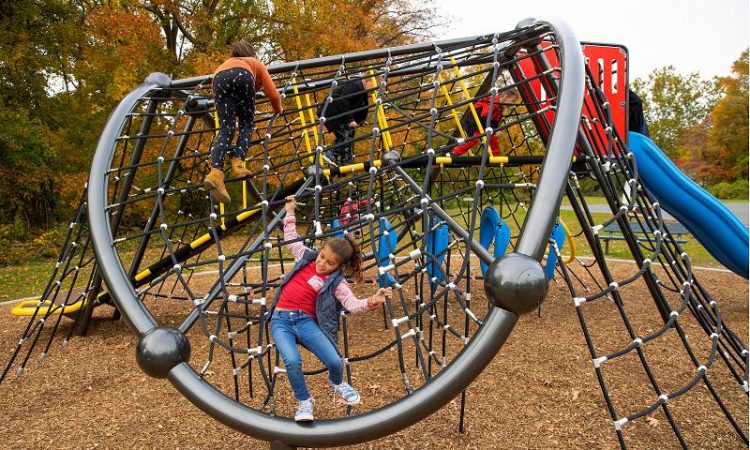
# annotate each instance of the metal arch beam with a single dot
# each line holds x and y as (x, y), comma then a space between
(434, 394)
(112, 271)
(135, 157)
(467, 365)
(539, 220)
(362, 56)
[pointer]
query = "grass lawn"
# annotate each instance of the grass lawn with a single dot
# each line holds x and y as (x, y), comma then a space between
(25, 280)
(590, 199)
(30, 278)
(699, 256)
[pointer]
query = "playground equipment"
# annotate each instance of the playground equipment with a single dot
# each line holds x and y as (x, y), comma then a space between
(707, 218)
(159, 237)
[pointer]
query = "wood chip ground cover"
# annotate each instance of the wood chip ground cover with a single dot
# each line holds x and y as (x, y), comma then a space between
(540, 392)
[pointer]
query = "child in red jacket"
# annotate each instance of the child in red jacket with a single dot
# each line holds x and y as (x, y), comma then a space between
(482, 107)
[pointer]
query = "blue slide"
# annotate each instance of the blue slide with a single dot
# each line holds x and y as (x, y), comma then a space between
(707, 219)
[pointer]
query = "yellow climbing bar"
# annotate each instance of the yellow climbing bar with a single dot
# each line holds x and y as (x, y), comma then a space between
(449, 101)
(571, 242)
(244, 194)
(205, 238)
(382, 120)
(302, 120)
(311, 115)
(447, 160)
(247, 214)
(467, 95)
(29, 308)
(442, 160)
(142, 275)
(352, 168)
(200, 241)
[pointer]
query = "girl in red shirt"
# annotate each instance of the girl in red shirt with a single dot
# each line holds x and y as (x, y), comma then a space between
(306, 309)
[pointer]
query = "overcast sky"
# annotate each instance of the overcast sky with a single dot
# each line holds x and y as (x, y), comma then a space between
(693, 35)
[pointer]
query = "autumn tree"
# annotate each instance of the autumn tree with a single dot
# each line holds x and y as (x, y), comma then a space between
(197, 33)
(728, 136)
(693, 157)
(64, 65)
(38, 44)
(307, 29)
(196, 30)
(673, 103)
(715, 150)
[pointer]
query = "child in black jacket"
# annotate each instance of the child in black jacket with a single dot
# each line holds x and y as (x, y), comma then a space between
(344, 113)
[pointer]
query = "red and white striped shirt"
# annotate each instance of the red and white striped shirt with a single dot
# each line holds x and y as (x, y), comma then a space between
(301, 291)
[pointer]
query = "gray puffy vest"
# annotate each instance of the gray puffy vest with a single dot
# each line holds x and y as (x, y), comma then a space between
(327, 308)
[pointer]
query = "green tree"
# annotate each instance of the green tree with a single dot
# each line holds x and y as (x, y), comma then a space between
(673, 104)
(38, 44)
(64, 65)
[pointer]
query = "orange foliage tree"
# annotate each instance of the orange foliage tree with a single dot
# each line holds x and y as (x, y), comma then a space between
(728, 136)
(64, 64)
(716, 149)
(307, 29)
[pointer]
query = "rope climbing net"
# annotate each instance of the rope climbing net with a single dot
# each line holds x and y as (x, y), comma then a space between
(428, 222)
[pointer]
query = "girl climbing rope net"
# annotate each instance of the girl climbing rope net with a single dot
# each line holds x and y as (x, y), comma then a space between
(306, 307)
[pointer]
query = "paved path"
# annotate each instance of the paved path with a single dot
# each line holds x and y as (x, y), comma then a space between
(740, 209)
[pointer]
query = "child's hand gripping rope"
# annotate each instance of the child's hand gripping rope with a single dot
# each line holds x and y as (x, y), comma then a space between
(290, 205)
(378, 298)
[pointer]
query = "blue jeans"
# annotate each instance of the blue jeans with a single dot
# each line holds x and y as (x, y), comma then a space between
(291, 327)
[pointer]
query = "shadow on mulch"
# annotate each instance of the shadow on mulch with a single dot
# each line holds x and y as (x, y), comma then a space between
(541, 391)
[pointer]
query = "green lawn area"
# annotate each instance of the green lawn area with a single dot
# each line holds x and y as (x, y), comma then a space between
(590, 199)
(699, 256)
(30, 278)
(25, 280)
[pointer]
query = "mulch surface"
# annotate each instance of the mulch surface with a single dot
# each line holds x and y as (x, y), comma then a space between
(540, 392)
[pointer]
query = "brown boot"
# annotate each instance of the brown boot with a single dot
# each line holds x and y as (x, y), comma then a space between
(238, 168)
(214, 182)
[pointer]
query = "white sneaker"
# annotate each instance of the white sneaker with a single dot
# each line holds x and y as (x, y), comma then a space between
(347, 394)
(304, 411)
(329, 158)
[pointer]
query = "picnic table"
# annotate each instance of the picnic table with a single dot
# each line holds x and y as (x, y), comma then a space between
(612, 232)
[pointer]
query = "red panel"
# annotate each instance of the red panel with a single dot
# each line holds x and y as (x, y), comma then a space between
(608, 67)
(613, 81)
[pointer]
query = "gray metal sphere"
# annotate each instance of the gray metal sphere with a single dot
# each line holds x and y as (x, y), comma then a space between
(311, 170)
(159, 79)
(160, 349)
(516, 283)
(391, 157)
(527, 22)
